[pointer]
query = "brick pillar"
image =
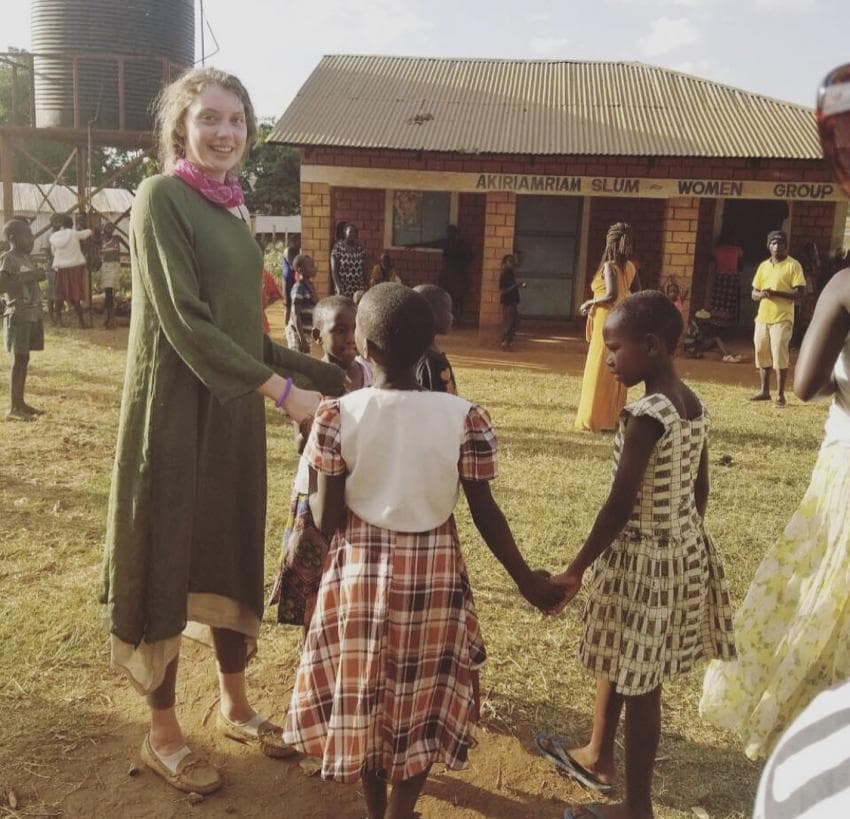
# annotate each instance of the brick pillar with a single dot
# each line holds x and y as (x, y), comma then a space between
(679, 241)
(499, 224)
(316, 230)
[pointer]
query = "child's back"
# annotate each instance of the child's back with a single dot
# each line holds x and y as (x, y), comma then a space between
(385, 686)
(396, 569)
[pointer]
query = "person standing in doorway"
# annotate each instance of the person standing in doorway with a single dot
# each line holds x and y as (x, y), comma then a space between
(348, 264)
(454, 278)
(509, 299)
(778, 284)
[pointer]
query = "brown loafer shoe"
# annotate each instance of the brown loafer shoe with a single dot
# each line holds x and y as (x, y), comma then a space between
(194, 774)
(268, 736)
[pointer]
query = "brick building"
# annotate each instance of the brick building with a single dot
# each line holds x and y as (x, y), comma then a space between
(538, 158)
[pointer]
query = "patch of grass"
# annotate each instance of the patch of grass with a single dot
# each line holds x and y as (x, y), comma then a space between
(54, 679)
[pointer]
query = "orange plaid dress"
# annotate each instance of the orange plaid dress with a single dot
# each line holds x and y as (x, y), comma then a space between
(385, 678)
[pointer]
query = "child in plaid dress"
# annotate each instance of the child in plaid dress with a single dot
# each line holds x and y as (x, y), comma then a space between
(384, 686)
(658, 600)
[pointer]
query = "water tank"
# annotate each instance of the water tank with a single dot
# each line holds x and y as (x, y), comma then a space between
(157, 38)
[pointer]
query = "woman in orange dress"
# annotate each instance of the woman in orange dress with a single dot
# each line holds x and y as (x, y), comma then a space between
(602, 397)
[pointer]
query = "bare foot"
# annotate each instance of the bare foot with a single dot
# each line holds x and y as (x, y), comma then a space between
(603, 770)
(780, 400)
(760, 396)
(595, 810)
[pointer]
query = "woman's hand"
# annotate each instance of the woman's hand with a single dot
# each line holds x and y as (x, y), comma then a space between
(585, 307)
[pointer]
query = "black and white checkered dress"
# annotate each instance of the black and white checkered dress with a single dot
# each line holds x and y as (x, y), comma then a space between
(658, 598)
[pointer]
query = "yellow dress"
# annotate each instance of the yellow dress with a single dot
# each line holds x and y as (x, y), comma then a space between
(602, 398)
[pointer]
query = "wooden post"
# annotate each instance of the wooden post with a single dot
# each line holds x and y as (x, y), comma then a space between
(75, 80)
(7, 153)
(121, 100)
(14, 106)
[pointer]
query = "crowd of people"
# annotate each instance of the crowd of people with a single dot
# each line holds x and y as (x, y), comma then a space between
(371, 568)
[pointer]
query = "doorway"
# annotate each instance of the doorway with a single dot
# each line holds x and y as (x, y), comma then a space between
(546, 242)
(747, 223)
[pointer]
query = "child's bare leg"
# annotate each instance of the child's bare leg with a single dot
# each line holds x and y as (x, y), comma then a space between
(17, 380)
(166, 735)
(643, 731)
(598, 755)
(375, 791)
(404, 796)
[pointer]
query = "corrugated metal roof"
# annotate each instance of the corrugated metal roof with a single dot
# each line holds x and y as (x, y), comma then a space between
(29, 199)
(538, 107)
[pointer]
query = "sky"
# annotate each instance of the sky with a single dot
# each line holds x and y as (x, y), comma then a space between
(780, 48)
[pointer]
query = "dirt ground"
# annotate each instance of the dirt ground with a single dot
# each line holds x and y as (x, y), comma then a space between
(94, 771)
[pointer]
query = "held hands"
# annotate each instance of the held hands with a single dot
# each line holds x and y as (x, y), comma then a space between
(570, 584)
(543, 592)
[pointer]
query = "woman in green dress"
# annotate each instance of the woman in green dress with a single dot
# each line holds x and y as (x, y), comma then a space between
(186, 521)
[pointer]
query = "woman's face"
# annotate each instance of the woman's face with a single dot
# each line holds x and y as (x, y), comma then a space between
(214, 131)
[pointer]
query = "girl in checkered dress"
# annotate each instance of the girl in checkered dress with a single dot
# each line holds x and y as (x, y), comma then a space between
(658, 600)
(384, 687)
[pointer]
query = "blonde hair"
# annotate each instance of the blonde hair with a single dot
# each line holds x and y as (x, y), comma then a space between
(173, 101)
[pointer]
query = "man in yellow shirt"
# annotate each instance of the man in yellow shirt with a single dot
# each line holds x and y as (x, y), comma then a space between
(778, 283)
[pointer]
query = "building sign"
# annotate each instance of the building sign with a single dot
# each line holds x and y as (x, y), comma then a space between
(555, 185)
(662, 188)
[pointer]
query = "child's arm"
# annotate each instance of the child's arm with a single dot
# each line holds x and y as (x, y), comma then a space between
(327, 503)
(702, 484)
(491, 523)
(302, 433)
(642, 434)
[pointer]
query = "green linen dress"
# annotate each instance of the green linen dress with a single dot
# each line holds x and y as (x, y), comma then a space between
(187, 502)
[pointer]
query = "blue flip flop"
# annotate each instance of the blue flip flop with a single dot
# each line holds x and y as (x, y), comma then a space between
(553, 748)
(570, 813)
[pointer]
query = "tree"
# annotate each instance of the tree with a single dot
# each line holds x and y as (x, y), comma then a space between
(273, 173)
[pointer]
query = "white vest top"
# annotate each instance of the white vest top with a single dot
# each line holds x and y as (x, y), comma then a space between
(402, 450)
(838, 421)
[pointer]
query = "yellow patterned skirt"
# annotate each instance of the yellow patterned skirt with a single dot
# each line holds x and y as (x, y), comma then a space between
(793, 628)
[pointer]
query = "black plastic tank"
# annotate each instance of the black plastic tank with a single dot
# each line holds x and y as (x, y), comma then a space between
(157, 37)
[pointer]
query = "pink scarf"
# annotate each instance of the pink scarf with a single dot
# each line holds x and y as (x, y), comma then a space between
(227, 194)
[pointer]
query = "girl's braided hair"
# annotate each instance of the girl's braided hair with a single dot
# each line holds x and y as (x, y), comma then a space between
(618, 244)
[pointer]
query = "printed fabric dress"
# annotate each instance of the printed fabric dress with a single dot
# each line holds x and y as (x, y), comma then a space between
(385, 678)
(658, 597)
(793, 628)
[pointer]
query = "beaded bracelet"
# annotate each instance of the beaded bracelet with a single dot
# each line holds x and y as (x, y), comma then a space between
(284, 395)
